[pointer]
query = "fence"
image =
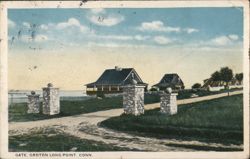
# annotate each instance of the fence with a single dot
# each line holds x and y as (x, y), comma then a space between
(21, 96)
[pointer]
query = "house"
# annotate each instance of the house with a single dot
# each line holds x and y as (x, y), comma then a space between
(112, 80)
(211, 85)
(170, 80)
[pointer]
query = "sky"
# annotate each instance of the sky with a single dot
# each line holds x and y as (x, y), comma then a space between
(72, 47)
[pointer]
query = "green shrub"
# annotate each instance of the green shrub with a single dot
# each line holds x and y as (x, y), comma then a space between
(100, 94)
(153, 89)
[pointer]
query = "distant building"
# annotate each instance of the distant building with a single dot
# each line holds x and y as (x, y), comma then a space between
(112, 80)
(211, 85)
(170, 80)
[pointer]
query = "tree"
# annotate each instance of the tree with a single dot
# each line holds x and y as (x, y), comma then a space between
(216, 76)
(226, 76)
(239, 77)
(196, 86)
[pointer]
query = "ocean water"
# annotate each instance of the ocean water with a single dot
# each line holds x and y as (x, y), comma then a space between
(20, 96)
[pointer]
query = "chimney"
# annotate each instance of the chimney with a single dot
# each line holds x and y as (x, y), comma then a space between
(117, 68)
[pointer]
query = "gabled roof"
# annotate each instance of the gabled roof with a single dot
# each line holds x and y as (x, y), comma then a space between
(115, 77)
(170, 79)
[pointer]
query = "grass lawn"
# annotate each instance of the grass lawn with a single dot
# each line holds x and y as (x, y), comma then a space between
(54, 141)
(219, 120)
(18, 111)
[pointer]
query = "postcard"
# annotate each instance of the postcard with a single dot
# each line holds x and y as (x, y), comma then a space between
(124, 79)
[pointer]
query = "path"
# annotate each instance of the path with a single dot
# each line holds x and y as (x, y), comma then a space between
(86, 126)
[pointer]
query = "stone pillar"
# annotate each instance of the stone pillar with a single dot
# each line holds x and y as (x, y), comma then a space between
(51, 100)
(168, 102)
(133, 99)
(33, 103)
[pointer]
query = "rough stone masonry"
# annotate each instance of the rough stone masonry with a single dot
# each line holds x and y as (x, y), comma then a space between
(133, 98)
(51, 100)
(168, 102)
(33, 103)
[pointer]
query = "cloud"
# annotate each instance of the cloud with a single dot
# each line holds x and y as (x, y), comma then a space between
(162, 40)
(38, 38)
(114, 45)
(11, 24)
(224, 40)
(115, 37)
(41, 38)
(233, 37)
(122, 37)
(106, 21)
(72, 22)
(26, 24)
(190, 30)
(97, 10)
(157, 26)
(141, 38)
(44, 27)
(110, 44)
(100, 17)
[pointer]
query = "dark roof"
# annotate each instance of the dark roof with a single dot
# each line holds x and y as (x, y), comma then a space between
(170, 79)
(115, 77)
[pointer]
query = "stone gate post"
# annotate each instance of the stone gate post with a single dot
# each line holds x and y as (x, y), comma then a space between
(33, 103)
(51, 100)
(133, 98)
(168, 102)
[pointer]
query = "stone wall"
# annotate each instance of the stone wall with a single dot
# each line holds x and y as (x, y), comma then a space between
(33, 103)
(168, 103)
(51, 100)
(133, 99)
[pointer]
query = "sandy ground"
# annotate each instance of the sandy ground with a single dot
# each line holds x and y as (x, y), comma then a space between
(86, 126)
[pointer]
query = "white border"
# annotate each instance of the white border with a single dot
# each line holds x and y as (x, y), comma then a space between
(126, 4)
(123, 4)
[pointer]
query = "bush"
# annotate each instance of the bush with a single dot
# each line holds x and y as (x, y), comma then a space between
(153, 89)
(196, 86)
(100, 94)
